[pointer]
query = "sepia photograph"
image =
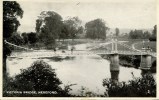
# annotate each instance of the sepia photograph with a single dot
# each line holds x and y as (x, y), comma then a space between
(80, 48)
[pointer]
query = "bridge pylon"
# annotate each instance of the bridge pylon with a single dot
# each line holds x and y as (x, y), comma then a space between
(114, 67)
(114, 62)
(114, 46)
(146, 62)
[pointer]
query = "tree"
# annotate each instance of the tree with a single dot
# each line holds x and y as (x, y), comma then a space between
(136, 34)
(11, 12)
(117, 31)
(73, 26)
(64, 32)
(25, 37)
(96, 29)
(80, 30)
(155, 30)
(38, 25)
(38, 77)
(49, 25)
(32, 38)
(16, 39)
(154, 34)
(146, 35)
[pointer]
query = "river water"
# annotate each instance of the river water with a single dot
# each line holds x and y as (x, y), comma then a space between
(87, 71)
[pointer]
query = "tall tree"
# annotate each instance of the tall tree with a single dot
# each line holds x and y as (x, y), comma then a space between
(96, 29)
(64, 32)
(117, 31)
(11, 12)
(155, 30)
(49, 25)
(154, 34)
(73, 25)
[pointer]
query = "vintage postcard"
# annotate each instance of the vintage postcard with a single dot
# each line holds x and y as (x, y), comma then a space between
(94, 49)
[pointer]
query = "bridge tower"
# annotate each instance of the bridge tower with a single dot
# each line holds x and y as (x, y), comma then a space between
(146, 62)
(114, 62)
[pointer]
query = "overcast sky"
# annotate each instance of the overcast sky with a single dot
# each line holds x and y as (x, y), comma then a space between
(117, 13)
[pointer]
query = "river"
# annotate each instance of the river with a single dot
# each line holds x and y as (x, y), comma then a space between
(87, 71)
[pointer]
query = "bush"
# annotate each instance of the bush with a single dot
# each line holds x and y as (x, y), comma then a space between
(139, 87)
(39, 77)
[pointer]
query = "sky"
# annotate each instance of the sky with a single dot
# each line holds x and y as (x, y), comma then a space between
(132, 14)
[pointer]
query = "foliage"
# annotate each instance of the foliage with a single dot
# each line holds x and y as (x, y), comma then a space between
(117, 31)
(96, 29)
(154, 34)
(146, 35)
(49, 26)
(155, 30)
(139, 34)
(131, 60)
(139, 87)
(73, 26)
(153, 67)
(11, 12)
(39, 77)
(85, 92)
(32, 38)
(136, 34)
(25, 37)
(16, 39)
(64, 32)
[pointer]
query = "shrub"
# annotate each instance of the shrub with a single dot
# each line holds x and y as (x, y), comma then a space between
(39, 77)
(139, 87)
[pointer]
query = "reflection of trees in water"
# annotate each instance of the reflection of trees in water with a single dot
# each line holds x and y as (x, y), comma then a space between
(58, 58)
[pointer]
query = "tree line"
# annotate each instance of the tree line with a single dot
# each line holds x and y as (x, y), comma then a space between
(139, 34)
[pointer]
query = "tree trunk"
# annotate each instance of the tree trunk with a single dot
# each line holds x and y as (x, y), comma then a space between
(4, 67)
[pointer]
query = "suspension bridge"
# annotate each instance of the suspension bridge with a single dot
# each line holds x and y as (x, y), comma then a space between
(145, 63)
(94, 51)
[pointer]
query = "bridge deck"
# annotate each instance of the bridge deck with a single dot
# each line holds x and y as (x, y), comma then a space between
(75, 53)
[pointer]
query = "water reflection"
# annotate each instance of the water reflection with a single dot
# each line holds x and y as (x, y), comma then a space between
(57, 58)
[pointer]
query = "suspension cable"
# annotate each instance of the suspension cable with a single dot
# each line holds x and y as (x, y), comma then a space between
(129, 47)
(17, 46)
